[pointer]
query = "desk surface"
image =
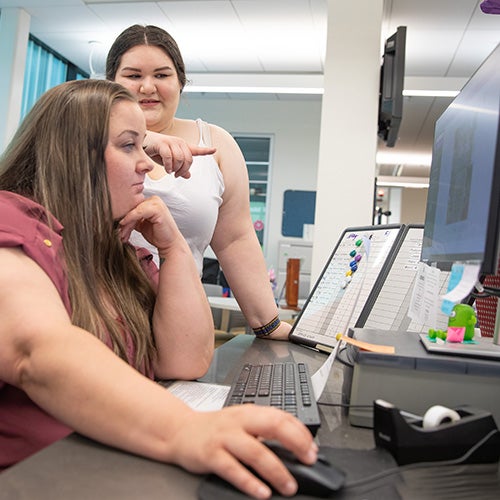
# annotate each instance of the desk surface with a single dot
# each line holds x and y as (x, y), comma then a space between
(230, 304)
(79, 468)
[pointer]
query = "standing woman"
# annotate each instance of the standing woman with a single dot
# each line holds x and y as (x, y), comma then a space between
(87, 320)
(212, 206)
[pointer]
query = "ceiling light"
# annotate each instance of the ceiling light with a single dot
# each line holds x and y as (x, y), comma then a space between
(236, 89)
(312, 84)
(397, 158)
(115, 1)
(253, 90)
(430, 93)
(255, 83)
(423, 86)
(402, 182)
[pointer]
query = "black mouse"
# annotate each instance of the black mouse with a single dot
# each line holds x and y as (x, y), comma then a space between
(320, 479)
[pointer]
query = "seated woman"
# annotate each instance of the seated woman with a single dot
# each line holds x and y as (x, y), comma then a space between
(88, 321)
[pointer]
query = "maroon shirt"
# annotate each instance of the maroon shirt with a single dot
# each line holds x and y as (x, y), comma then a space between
(24, 427)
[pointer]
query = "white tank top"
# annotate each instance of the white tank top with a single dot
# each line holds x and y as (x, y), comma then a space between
(194, 203)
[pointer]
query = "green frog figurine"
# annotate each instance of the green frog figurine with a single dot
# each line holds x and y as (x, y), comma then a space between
(460, 325)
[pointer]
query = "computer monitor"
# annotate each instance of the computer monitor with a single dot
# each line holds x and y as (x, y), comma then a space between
(357, 266)
(462, 222)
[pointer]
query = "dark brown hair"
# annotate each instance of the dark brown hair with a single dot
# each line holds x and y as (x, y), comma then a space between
(144, 35)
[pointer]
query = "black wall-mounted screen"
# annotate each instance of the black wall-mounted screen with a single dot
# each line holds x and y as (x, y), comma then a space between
(392, 73)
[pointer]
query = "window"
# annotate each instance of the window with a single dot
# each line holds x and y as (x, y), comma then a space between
(257, 153)
(44, 69)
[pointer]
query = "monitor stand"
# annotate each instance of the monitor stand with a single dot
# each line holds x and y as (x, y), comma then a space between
(484, 347)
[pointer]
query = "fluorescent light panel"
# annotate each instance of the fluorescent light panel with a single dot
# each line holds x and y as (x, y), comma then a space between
(402, 182)
(254, 90)
(392, 158)
(430, 93)
(118, 1)
(303, 90)
(312, 84)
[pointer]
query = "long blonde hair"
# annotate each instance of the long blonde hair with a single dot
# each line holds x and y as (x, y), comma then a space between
(56, 158)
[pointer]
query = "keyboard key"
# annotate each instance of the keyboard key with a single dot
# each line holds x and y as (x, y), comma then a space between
(282, 385)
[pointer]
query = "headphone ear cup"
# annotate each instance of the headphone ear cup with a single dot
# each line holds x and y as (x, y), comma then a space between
(437, 415)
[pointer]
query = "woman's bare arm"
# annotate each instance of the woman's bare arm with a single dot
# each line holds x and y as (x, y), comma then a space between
(235, 242)
(78, 380)
(182, 320)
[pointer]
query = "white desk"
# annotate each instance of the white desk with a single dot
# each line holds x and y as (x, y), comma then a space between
(228, 304)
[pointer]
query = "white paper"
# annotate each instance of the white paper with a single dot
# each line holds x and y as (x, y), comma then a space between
(200, 396)
(320, 378)
(424, 300)
(210, 397)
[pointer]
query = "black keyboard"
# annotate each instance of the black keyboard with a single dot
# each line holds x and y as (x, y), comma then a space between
(283, 385)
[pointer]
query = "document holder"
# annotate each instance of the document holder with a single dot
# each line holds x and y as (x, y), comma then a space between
(409, 442)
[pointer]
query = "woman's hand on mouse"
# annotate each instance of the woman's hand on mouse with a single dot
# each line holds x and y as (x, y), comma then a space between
(229, 442)
(174, 153)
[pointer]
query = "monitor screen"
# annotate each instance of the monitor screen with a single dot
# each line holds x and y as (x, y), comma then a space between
(356, 268)
(462, 216)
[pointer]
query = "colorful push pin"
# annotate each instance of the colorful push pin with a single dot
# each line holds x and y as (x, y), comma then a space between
(347, 280)
(358, 257)
(348, 273)
(352, 253)
(359, 242)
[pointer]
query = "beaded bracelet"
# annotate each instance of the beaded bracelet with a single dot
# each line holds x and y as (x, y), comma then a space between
(268, 327)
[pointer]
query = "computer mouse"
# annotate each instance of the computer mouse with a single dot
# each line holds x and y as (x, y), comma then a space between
(320, 479)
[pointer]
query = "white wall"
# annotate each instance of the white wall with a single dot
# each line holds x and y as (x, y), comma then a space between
(348, 141)
(294, 124)
(339, 165)
(14, 33)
